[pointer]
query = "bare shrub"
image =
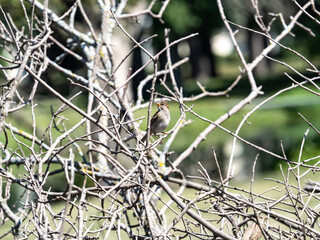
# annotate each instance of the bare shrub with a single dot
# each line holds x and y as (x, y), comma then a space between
(113, 185)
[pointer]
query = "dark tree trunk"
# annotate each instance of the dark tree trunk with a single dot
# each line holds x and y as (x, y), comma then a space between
(202, 60)
(256, 43)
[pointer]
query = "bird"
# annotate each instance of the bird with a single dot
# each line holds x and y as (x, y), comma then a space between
(160, 120)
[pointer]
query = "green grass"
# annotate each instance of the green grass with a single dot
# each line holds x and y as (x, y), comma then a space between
(276, 121)
(278, 116)
(42, 116)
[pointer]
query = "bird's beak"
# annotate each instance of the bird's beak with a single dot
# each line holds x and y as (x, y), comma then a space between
(158, 104)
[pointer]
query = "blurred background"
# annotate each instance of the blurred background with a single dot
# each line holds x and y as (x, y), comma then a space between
(214, 63)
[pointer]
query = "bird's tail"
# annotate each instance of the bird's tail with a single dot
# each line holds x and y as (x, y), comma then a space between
(144, 138)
